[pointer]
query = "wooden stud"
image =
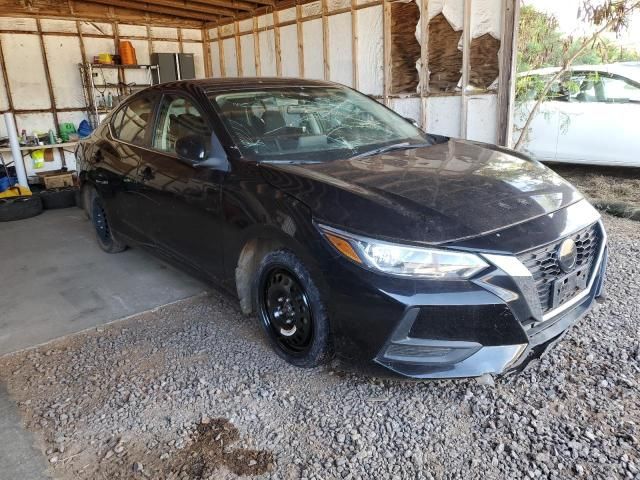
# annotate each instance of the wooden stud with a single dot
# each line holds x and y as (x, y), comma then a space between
(466, 57)
(180, 46)
(208, 69)
(47, 74)
(354, 43)
(5, 77)
(300, 42)
(507, 78)
(276, 35)
(256, 47)
(325, 40)
(149, 42)
(238, 49)
(386, 32)
(223, 70)
(424, 61)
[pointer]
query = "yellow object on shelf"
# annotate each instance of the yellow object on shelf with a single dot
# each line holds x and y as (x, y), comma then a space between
(16, 191)
(105, 58)
(37, 157)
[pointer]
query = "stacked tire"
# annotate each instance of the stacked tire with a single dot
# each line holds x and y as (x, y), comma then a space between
(58, 198)
(19, 208)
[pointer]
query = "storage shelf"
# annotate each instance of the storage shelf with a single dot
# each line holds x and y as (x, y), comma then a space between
(108, 65)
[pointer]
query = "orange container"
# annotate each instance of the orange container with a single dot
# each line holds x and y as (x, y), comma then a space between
(127, 53)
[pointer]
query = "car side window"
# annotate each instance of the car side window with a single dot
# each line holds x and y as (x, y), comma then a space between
(620, 90)
(178, 117)
(129, 124)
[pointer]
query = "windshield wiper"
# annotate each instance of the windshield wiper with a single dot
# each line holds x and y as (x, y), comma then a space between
(388, 148)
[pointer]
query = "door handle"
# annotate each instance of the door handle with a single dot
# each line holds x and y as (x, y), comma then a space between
(147, 173)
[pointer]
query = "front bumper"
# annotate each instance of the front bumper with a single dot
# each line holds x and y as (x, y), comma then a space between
(491, 325)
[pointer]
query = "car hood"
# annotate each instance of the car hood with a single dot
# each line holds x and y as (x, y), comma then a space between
(448, 191)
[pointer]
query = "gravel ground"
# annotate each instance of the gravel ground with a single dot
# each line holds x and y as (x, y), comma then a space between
(193, 391)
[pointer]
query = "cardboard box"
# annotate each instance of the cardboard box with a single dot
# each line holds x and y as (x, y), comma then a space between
(58, 180)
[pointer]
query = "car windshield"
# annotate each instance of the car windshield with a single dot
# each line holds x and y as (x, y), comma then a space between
(314, 124)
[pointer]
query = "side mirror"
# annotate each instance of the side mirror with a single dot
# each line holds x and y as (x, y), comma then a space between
(192, 148)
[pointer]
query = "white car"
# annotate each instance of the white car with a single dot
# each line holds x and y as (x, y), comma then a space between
(591, 117)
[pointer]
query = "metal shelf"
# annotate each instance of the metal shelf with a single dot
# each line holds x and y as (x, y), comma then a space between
(91, 88)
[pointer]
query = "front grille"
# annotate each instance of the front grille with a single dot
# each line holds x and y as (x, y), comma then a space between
(543, 264)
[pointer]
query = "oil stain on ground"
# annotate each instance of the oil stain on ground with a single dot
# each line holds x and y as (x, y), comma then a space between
(211, 448)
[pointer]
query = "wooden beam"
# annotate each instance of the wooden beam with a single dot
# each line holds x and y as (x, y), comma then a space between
(187, 7)
(234, 4)
(236, 32)
(146, 7)
(507, 79)
(256, 47)
(223, 67)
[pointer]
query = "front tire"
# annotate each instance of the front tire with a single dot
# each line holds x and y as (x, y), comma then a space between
(104, 234)
(291, 311)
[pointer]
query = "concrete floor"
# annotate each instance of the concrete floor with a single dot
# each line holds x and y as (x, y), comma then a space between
(56, 280)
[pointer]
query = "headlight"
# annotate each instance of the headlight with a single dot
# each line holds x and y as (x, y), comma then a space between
(404, 260)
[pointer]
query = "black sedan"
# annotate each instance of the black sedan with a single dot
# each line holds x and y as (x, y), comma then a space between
(347, 230)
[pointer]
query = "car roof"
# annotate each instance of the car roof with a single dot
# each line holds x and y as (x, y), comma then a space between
(243, 83)
(628, 69)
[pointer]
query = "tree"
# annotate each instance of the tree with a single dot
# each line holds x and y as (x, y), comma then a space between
(541, 44)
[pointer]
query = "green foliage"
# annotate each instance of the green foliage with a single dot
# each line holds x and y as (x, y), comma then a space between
(541, 44)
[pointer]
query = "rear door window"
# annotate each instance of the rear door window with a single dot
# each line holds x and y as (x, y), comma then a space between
(130, 123)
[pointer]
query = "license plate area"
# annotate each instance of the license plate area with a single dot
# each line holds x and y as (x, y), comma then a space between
(567, 287)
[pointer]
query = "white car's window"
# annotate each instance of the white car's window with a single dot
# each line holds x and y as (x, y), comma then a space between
(619, 90)
(178, 117)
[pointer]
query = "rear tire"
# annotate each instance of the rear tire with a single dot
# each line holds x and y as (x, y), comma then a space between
(291, 311)
(19, 208)
(58, 198)
(106, 239)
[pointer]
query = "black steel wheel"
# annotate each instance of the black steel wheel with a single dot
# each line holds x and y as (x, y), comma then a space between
(291, 311)
(287, 311)
(104, 233)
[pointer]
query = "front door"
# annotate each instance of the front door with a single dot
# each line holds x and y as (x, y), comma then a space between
(182, 199)
(599, 124)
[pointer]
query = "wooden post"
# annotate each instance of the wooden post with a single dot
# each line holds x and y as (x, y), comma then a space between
(507, 79)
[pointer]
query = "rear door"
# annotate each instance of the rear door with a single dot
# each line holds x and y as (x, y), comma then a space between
(118, 160)
(542, 134)
(182, 200)
(599, 124)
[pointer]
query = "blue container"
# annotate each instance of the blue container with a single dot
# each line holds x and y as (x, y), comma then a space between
(6, 182)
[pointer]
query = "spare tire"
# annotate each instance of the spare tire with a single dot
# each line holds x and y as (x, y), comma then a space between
(17, 208)
(58, 198)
